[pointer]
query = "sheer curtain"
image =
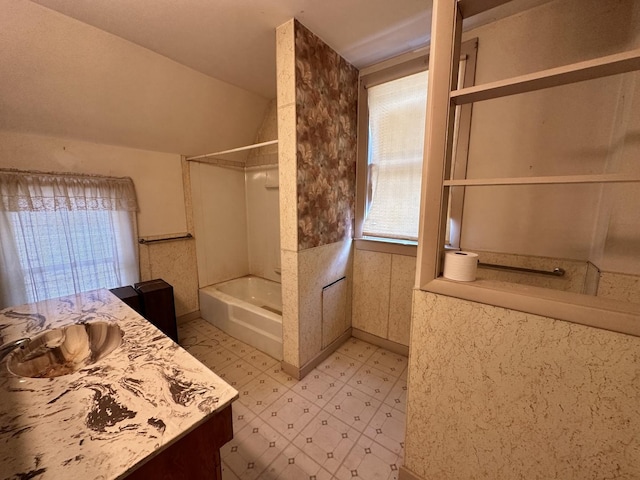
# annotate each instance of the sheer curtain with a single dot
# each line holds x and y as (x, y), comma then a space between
(65, 233)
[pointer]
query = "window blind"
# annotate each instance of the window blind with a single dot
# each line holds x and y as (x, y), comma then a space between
(397, 112)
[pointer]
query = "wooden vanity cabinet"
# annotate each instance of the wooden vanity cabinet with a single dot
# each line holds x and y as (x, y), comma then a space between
(195, 456)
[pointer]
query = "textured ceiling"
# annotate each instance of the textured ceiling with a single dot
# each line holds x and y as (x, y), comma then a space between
(234, 40)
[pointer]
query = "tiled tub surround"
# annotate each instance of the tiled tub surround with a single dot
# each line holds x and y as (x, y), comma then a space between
(104, 420)
(344, 420)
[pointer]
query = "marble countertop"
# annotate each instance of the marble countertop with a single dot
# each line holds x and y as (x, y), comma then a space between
(108, 418)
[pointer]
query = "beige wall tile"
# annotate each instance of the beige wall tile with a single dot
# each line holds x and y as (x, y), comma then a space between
(371, 290)
(403, 275)
(495, 393)
(285, 64)
(288, 173)
(317, 268)
(290, 327)
(618, 286)
(334, 311)
(175, 263)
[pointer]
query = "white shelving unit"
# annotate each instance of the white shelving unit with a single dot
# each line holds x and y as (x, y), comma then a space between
(442, 99)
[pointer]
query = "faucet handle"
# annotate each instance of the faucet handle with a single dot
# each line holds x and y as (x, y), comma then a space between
(7, 348)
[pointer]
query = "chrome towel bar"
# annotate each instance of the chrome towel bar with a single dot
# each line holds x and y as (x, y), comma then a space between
(168, 239)
(556, 272)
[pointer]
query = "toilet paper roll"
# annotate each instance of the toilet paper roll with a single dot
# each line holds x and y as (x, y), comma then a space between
(460, 266)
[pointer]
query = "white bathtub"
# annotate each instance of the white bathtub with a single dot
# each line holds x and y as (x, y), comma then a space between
(247, 308)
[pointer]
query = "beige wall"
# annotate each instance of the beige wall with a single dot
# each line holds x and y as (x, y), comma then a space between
(157, 178)
(590, 127)
(382, 287)
(75, 98)
(64, 78)
(498, 394)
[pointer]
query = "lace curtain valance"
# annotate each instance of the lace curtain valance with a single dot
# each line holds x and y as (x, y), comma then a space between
(35, 191)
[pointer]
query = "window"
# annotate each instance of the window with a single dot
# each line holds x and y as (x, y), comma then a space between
(396, 136)
(393, 104)
(64, 234)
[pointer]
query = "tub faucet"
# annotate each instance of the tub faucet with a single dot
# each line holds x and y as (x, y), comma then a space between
(7, 348)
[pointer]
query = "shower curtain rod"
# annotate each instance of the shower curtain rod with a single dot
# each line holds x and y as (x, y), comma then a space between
(233, 150)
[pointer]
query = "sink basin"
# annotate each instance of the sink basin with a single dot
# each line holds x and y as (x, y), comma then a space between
(65, 350)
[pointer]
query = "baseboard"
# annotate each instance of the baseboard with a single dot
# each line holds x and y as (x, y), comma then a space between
(405, 474)
(300, 373)
(187, 317)
(381, 342)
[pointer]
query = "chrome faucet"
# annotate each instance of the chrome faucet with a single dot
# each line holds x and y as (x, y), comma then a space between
(7, 348)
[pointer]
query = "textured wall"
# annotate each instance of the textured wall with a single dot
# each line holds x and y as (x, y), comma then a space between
(382, 288)
(326, 124)
(499, 394)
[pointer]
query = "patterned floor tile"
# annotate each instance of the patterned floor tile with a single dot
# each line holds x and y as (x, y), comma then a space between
(261, 360)
(373, 382)
(217, 359)
(290, 413)
(189, 335)
(369, 461)
(318, 387)
(210, 330)
(340, 366)
(353, 407)
(389, 362)
(241, 349)
(238, 373)
(253, 449)
(261, 392)
(201, 348)
(282, 376)
(327, 440)
(293, 464)
(344, 421)
(387, 428)
(242, 416)
(397, 397)
(227, 473)
(357, 349)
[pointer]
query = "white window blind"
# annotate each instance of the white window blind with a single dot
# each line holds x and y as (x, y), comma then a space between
(397, 112)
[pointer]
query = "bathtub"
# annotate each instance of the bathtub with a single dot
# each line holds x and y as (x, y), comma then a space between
(247, 308)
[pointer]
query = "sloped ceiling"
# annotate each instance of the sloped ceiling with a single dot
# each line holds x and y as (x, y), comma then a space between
(234, 40)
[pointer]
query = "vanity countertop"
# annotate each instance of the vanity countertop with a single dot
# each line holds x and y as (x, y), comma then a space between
(108, 418)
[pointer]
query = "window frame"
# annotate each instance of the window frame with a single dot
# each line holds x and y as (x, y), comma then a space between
(392, 69)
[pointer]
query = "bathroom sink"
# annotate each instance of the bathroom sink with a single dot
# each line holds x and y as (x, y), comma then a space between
(64, 350)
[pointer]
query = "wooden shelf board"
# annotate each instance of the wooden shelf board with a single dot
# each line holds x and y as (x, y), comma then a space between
(577, 72)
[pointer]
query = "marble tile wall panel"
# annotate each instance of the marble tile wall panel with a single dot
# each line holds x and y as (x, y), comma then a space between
(175, 263)
(318, 267)
(334, 311)
(618, 286)
(495, 393)
(403, 276)
(290, 314)
(285, 64)
(326, 90)
(371, 292)
(288, 173)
